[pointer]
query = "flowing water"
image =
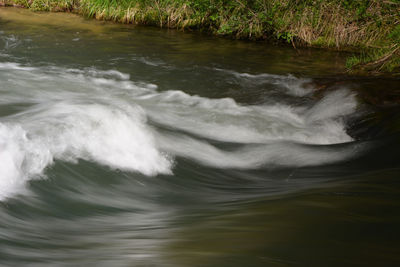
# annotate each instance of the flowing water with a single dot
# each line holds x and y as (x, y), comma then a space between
(137, 146)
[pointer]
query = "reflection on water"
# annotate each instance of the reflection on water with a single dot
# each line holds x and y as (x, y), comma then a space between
(130, 146)
(319, 227)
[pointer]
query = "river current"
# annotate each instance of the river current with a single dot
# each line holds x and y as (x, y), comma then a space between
(136, 146)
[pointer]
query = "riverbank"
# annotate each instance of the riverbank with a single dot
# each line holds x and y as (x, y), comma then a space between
(369, 28)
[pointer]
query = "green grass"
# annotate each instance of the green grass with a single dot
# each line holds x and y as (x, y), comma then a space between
(369, 26)
(44, 5)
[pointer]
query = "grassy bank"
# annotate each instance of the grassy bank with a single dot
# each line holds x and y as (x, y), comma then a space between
(369, 27)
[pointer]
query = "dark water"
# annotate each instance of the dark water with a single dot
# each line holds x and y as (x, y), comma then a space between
(135, 146)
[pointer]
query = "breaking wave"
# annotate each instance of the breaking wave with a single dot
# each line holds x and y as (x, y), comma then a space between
(103, 116)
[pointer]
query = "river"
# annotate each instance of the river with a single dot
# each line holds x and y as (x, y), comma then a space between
(123, 145)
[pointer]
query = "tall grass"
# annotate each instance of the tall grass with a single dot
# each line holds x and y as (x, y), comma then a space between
(371, 27)
(43, 5)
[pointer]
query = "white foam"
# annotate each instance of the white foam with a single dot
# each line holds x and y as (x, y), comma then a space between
(20, 159)
(11, 159)
(225, 120)
(10, 41)
(115, 137)
(102, 116)
(334, 104)
(14, 66)
(251, 156)
(291, 84)
(64, 131)
(150, 62)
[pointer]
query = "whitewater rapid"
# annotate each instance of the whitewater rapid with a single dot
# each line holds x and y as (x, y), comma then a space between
(103, 116)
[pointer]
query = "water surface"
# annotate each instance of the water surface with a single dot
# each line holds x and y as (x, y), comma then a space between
(135, 146)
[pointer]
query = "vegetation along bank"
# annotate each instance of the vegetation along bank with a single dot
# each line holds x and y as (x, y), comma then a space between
(369, 27)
